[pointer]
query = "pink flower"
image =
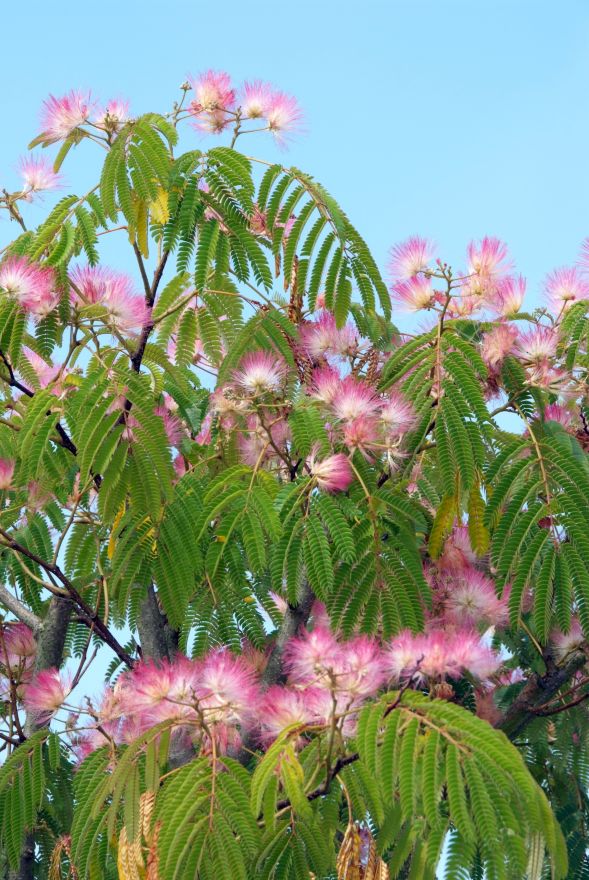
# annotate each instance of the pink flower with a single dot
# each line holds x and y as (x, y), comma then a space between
(204, 437)
(403, 657)
(6, 472)
(17, 646)
(96, 285)
(46, 373)
(362, 433)
(261, 372)
(213, 91)
(564, 287)
(145, 687)
(227, 689)
(256, 99)
(355, 398)
(411, 257)
(325, 384)
(33, 286)
(498, 343)
(312, 656)
(471, 599)
(333, 474)
(566, 644)
(414, 294)
(114, 115)
(46, 692)
(508, 298)
(536, 345)
(488, 259)
(283, 115)
(397, 415)
(60, 116)
(38, 175)
(172, 425)
(281, 707)
(322, 337)
(554, 412)
(457, 553)
(359, 669)
(471, 655)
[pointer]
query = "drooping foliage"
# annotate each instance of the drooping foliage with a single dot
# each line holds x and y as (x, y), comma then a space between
(338, 573)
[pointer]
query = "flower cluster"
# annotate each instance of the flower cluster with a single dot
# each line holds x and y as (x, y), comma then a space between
(18, 649)
(218, 105)
(220, 696)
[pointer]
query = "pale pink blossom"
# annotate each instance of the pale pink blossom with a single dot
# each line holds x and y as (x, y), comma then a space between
(281, 707)
(554, 412)
(17, 647)
(261, 372)
(283, 115)
(397, 414)
(498, 343)
(333, 474)
(32, 286)
(537, 345)
(488, 259)
(38, 175)
(227, 689)
(7, 466)
(325, 384)
(566, 644)
(312, 656)
(508, 298)
(354, 398)
(47, 374)
(362, 433)
(96, 285)
(472, 655)
(457, 553)
(322, 337)
(256, 99)
(204, 436)
(564, 287)
(114, 115)
(60, 116)
(403, 657)
(172, 425)
(213, 91)
(544, 375)
(411, 257)
(414, 293)
(47, 692)
(471, 600)
(358, 669)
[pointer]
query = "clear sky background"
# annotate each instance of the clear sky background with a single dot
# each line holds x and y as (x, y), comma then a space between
(451, 118)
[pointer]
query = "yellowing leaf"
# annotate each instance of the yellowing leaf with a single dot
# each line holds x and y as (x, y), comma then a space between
(159, 207)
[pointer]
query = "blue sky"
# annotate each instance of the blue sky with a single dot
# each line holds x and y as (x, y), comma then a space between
(451, 118)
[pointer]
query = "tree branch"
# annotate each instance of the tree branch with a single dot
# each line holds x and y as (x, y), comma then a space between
(16, 607)
(89, 613)
(536, 692)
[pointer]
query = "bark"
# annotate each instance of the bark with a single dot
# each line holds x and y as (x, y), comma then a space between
(51, 637)
(159, 641)
(294, 617)
(539, 690)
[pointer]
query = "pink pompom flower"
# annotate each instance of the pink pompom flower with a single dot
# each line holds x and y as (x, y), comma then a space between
(37, 175)
(414, 293)
(411, 257)
(47, 692)
(333, 474)
(567, 644)
(488, 259)
(114, 115)
(213, 91)
(96, 285)
(498, 343)
(255, 99)
(355, 398)
(564, 287)
(283, 115)
(325, 384)
(397, 415)
(508, 298)
(261, 372)
(33, 286)
(312, 656)
(227, 689)
(6, 472)
(60, 116)
(537, 345)
(323, 338)
(281, 707)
